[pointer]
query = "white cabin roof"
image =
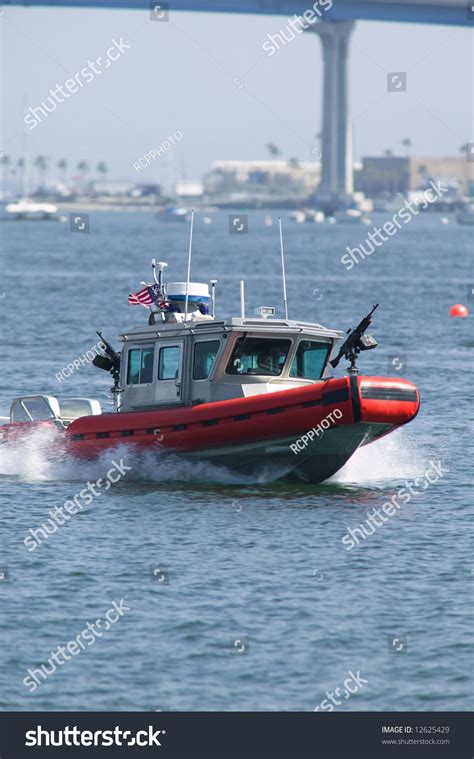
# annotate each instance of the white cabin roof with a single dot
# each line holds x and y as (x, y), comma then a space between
(266, 326)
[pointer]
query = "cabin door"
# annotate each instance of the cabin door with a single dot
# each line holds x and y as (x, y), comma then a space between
(169, 377)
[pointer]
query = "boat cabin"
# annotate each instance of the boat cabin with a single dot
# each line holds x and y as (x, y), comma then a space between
(207, 360)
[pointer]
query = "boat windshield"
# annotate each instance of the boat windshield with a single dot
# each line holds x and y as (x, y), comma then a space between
(310, 359)
(33, 409)
(256, 355)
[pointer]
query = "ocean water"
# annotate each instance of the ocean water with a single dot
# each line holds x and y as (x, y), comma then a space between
(240, 595)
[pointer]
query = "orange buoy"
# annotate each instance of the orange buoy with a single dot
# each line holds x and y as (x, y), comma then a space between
(458, 310)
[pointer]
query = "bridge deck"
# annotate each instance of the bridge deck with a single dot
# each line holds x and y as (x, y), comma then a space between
(452, 12)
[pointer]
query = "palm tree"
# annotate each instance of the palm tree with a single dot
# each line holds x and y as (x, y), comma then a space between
(273, 150)
(464, 150)
(5, 162)
(467, 146)
(62, 166)
(406, 143)
(316, 152)
(83, 167)
(293, 163)
(422, 170)
(388, 152)
(21, 165)
(41, 163)
(102, 168)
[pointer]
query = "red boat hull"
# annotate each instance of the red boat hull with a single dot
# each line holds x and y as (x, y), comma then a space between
(307, 432)
(266, 417)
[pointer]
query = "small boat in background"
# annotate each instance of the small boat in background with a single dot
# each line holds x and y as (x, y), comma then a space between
(298, 216)
(349, 216)
(173, 213)
(466, 214)
(315, 216)
(307, 215)
(24, 208)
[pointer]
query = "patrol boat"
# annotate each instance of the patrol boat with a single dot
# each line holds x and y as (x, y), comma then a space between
(255, 394)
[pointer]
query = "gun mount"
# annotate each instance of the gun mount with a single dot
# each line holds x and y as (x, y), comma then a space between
(109, 361)
(356, 342)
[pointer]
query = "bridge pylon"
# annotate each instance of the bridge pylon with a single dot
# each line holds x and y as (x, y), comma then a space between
(336, 186)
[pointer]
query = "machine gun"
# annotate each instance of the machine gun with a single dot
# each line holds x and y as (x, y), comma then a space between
(356, 342)
(109, 360)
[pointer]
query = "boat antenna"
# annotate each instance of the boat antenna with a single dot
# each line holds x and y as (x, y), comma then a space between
(285, 300)
(213, 296)
(242, 299)
(190, 252)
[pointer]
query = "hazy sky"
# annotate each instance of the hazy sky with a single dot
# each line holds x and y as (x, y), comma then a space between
(207, 76)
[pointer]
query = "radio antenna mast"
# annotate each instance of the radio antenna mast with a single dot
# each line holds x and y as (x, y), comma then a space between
(190, 252)
(285, 300)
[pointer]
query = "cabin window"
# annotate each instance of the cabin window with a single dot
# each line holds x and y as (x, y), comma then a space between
(19, 414)
(205, 354)
(256, 355)
(168, 364)
(310, 360)
(140, 366)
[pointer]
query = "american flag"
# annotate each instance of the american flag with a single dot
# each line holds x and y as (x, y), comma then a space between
(146, 297)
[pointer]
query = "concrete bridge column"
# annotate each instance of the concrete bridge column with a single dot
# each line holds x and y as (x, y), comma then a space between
(336, 185)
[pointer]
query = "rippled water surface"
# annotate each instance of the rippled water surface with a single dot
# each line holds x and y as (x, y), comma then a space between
(259, 562)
